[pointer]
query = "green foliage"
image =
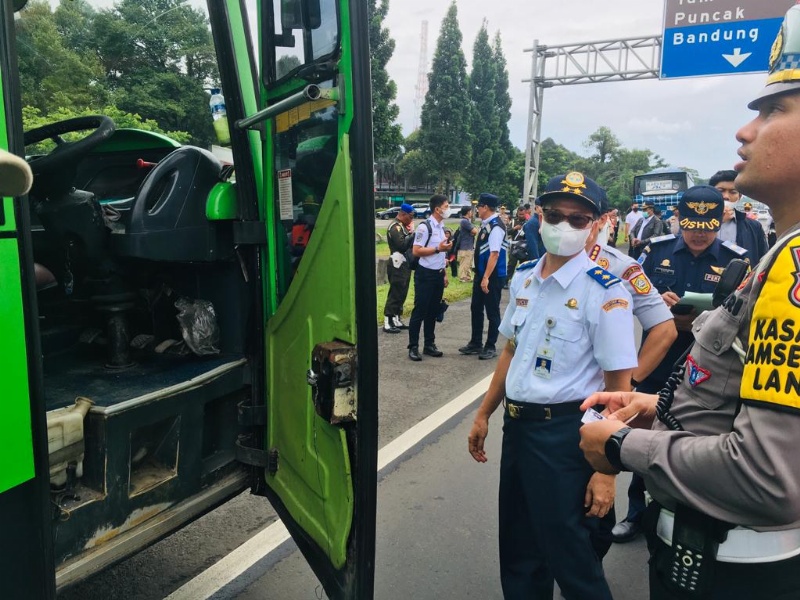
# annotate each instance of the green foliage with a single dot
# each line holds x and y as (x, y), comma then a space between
(445, 120)
(386, 132)
(485, 125)
(610, 164)
(32, 118)
(144, 62)
(500, 160)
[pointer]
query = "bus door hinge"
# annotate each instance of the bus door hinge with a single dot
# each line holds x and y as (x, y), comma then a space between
(256, 457)
(332, 379)
(249, 233)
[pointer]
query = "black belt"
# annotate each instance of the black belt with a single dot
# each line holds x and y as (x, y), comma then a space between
(526, 411)
(431, 270)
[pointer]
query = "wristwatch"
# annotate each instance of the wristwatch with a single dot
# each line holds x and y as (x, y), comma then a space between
(436, 250)
(614, 448)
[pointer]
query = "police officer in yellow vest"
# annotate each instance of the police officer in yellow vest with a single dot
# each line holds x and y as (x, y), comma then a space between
(721, 461)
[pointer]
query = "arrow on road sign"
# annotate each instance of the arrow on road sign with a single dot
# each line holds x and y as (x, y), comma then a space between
(737, 57)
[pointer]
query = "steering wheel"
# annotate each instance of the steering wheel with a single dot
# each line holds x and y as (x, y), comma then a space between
(55, 171)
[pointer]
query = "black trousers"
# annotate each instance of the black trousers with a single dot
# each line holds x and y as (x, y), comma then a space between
(399, 280)
(731, 581)
(428, 292)
(486, 302)
(544, 533)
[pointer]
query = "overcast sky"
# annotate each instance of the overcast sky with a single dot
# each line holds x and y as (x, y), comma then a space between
(690, 122)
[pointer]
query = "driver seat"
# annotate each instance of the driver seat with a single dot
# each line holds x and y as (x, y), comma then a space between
(168, 216)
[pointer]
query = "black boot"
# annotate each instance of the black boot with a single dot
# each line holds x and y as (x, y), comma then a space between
(413, 354)
(432, 350)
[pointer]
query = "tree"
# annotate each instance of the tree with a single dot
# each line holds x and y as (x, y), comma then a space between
(445, 135)
(158, 57)
(555, 159)
(484, 118)
(605, 144)
(507, 152)
(386, 133)
(57, 75)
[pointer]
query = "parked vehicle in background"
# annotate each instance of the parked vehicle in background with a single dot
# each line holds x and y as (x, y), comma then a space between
(422, 210)
(663, 187)
(389, 213)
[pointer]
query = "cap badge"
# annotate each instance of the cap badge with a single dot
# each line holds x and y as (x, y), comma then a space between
(702, 208)
(572, 303)
(776, 52)
(574, 182)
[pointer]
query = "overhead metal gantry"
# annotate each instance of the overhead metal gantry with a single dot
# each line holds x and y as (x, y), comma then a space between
(593, 62)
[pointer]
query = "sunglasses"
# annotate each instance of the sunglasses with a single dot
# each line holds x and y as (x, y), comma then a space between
(554, 217)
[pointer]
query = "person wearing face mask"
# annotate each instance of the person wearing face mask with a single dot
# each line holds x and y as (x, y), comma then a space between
(490, 277)
(430, 279)
(569, 324)
(648, 227)
(736, 227)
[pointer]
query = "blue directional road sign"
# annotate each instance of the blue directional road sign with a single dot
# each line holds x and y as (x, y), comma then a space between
(719, 37)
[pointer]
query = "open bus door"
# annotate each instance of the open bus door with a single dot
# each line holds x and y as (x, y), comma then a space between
(320, 439)
(314, 448)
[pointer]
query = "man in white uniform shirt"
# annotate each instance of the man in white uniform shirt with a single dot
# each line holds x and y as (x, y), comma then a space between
(430, 278)
(570, 326)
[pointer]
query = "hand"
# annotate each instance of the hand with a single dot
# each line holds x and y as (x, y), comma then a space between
(485, 285)
(623, 406)
(446, 280)
(684, 322)
(477, 435)
(445, 246)
(670, 298)
(599, 496)
(636, 241)
(593, 443)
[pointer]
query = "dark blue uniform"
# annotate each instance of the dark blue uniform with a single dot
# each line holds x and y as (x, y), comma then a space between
(671, 267)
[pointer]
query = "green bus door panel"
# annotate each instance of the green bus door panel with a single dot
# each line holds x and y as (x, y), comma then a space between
(16, 458)
(313, 477)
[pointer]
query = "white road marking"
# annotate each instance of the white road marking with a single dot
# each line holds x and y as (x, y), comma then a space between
(213, 579)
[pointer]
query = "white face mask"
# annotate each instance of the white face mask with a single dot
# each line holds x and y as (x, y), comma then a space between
(563, 240)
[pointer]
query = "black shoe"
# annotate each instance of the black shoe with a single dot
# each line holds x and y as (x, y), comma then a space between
(432, 350)
(487, 353)
(389, 326)
(625, 531)
(470, 349)
(413, 354)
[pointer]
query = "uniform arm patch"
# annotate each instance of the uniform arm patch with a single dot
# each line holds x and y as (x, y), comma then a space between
(772, 366)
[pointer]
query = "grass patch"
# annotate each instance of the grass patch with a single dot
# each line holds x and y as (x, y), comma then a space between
(381, 249)
(457, 290)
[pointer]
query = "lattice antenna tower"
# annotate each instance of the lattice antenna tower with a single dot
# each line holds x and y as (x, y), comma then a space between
(422, 74)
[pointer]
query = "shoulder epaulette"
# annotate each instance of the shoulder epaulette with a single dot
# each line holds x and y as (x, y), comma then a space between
(528, 264)
(662, 238)
(733, 247)
(602, 277)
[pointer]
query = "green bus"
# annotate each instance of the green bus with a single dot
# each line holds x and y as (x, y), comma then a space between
(183, 323)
